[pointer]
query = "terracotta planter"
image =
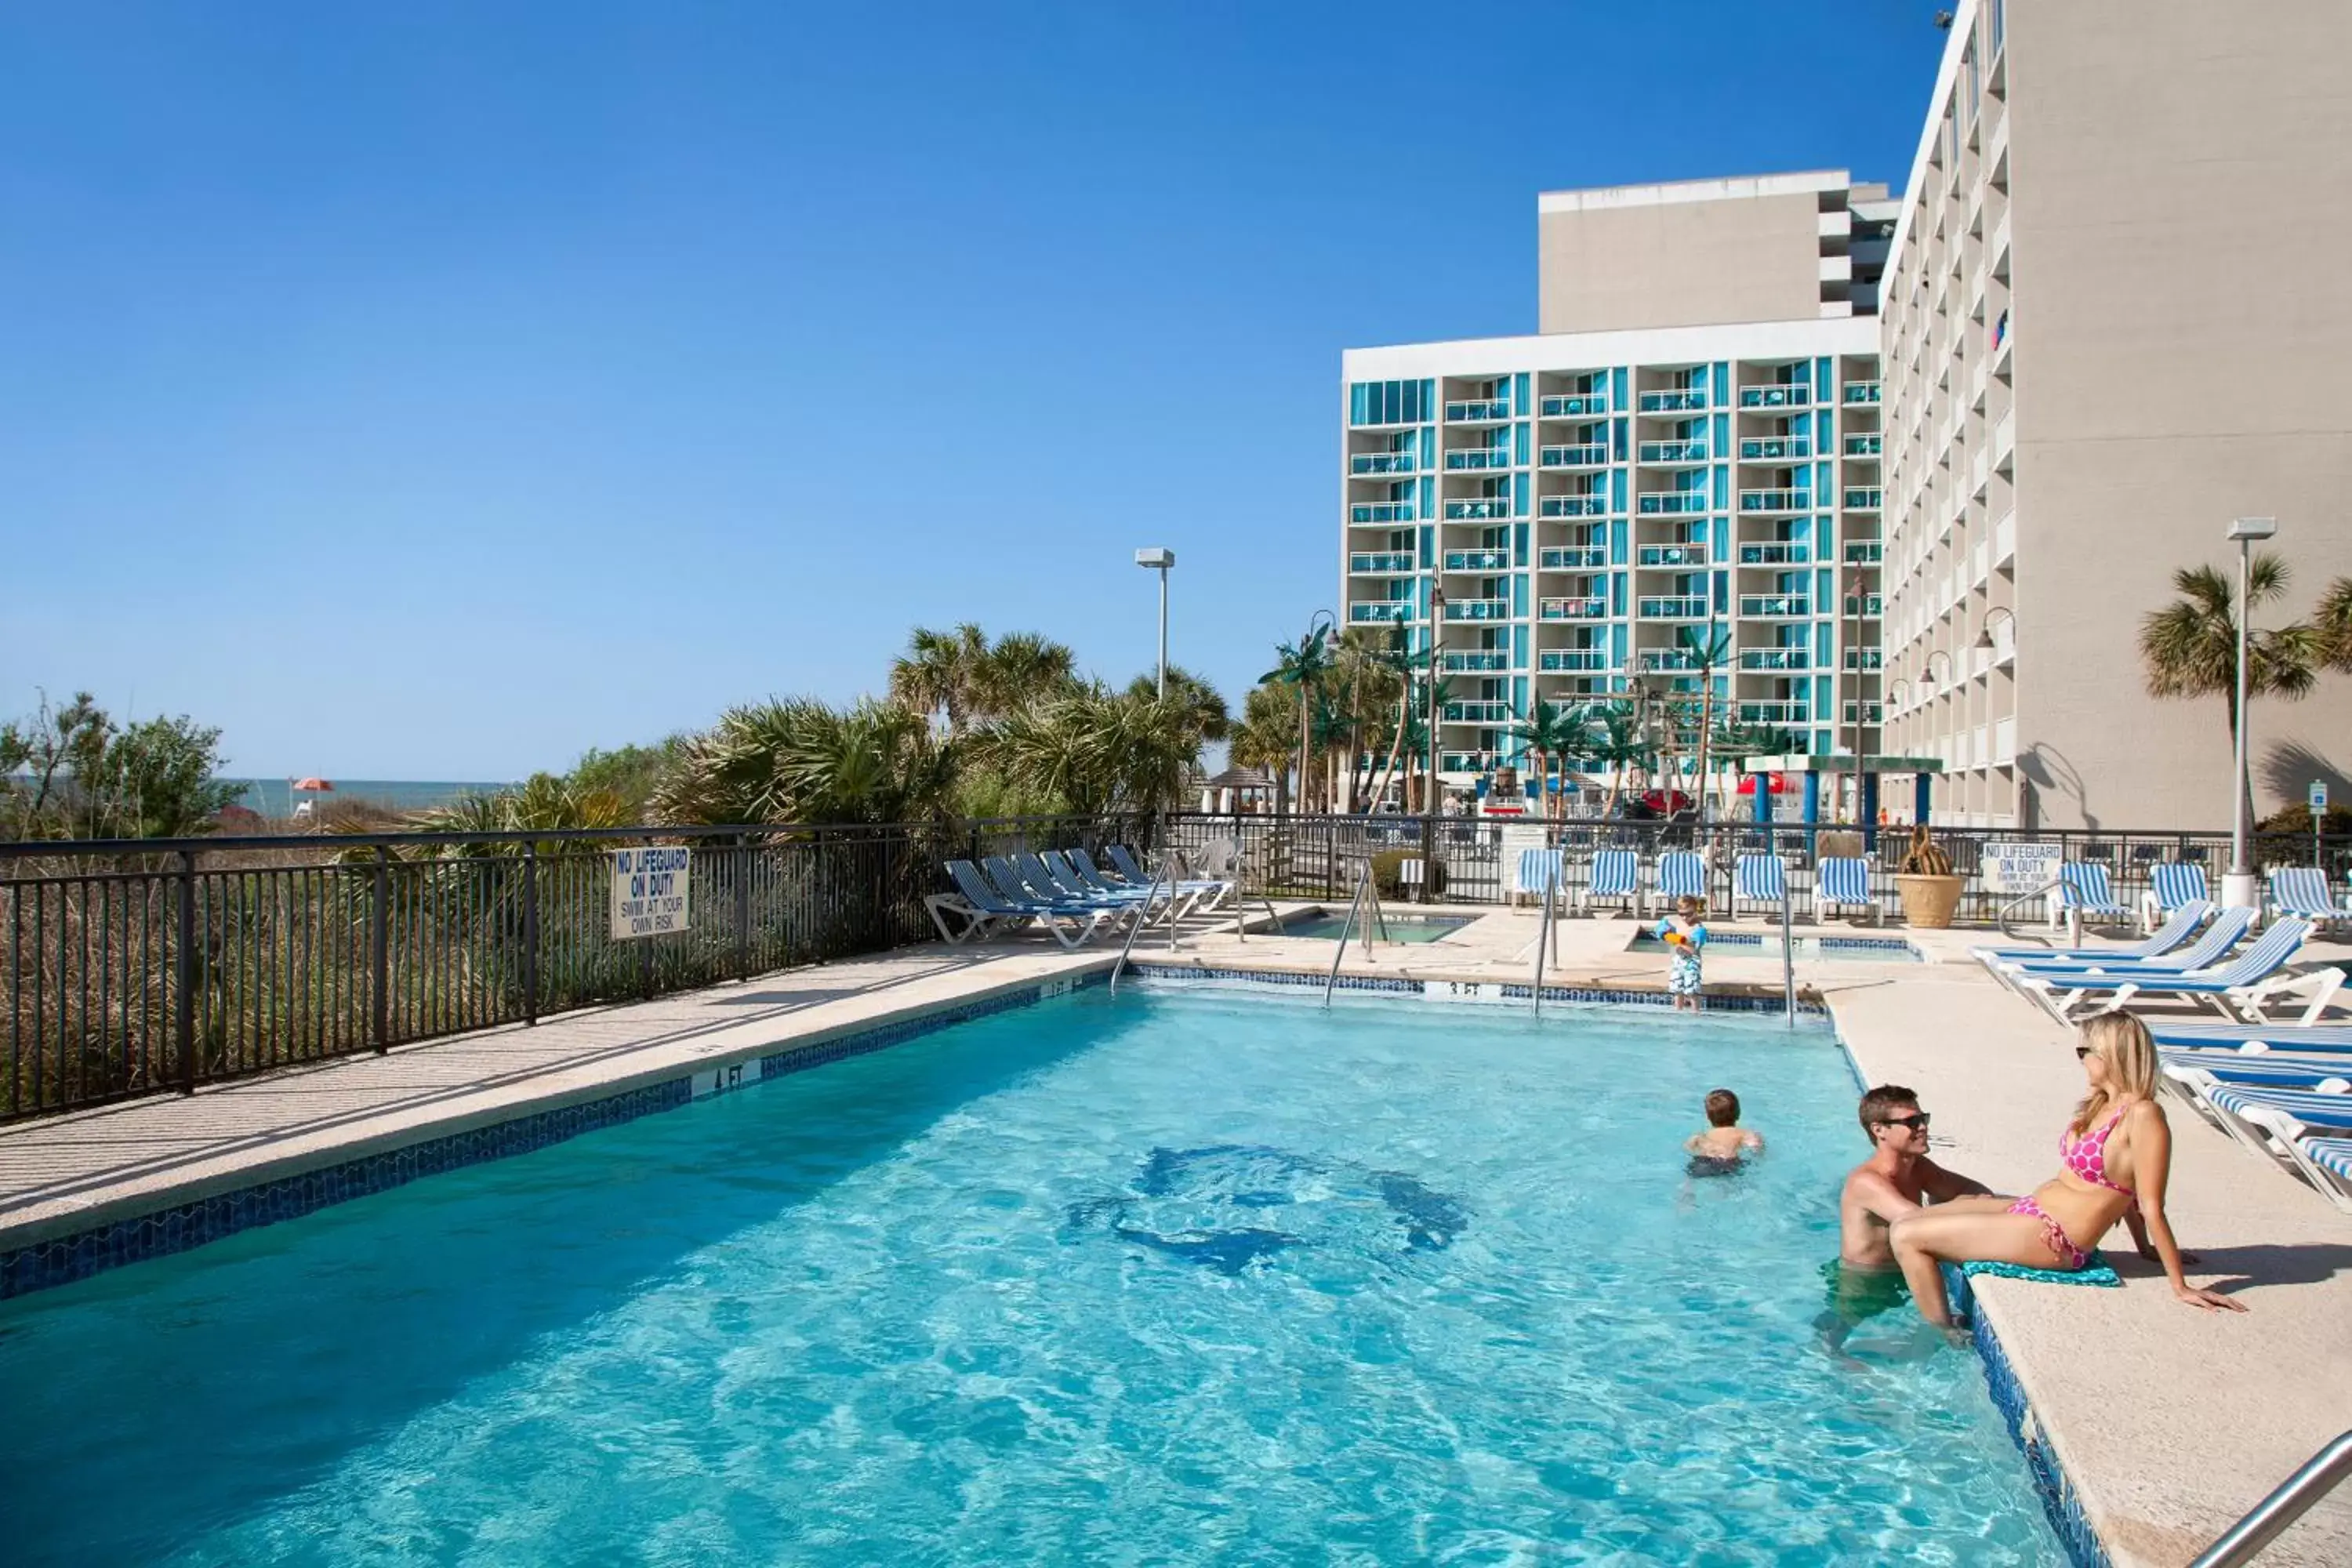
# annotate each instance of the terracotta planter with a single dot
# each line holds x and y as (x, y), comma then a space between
(1928, 902)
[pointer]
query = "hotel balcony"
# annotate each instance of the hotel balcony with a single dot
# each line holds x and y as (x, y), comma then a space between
(1474, 660)
(1783, 394)
(1380, 612)
(1865, 712)
(1776, 658)
(1673, 608)
(1479, 411)
(1573, 558)
(1671, 451)
(1774, 713)
(1674, 400)
(1865, 444)
(1474, 508)
(1380, 562)
(1591, 455)
(1862, 393)
(1476, 711)
(1775, 606)
(1869, 606)
(1573, 660)
(1672, 502)
(1490, 560)
(1864, 500)
(1380, 511)
(1866, 553)
(1573, 506)
(1654, 658)
(1477, 609)
(1380, 463)
(1784, 554)
(1464, 762)
(1574, 404)
(1865, 659)
(1573, 609)
(1474, 459)
(1776, 501)
(1671, 555)
(1775, 449)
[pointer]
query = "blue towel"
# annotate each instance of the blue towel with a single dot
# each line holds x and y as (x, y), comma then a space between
(2095, 1272)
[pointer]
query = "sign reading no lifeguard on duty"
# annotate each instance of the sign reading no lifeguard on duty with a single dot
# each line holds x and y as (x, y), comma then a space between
(649, 891)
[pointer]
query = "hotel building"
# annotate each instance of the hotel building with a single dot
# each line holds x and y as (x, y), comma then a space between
(2110, 312)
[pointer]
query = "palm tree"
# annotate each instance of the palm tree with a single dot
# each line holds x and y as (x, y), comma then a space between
(800, 761)
(936, 673)
(1021, 668)
(1301, 667)
(2331, 626)
(2189, 647)
(1334, 733)
(1262, 738)
(1612, 735)
(1708, 651)
(1548, 733)
(1096, 752)
(1210, 715)
(1365, 665)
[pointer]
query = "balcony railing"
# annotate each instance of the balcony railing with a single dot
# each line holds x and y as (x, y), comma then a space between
(1776, 658)
(1775, 449)
(1865, 659)
(1864, 500)
(1575, 404)
(1868, 605)
(1866, 553)
(1674, 400)
(1573, 506)
(1381, 562)
(1474, 659)
(1472, 458)
(1464, 761)
(1380, 511)
(1477, 560)
(1671, 555)
(1587, 455)
(1865, 444)
(1574, 558)
(1476, 711)
(1667, 658)
(1673, 607)
(1478, 411)
(1672, 503)
(1860, 392)
(1780, 394)
(1773, 713)
(1573, 609)
(1475, 506)
(1380, 612)
(1776, 501)
(1380, 463)
(1780, 555)
(1775, 606)
(1672, 451)
(1865, 712)
(1573, 659)
(1477, 609)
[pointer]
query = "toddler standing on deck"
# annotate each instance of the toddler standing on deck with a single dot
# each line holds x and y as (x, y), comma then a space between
(1684, 935)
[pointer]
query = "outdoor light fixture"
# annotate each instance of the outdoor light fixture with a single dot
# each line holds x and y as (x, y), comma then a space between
(1160, 561)
(2239, 889)
(1984, 632)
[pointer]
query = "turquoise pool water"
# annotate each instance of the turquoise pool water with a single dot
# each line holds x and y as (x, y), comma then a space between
(1399, 928)
(1158, 1279)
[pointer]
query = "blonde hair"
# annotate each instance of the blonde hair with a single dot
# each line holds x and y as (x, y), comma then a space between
(2124, 1043)
(1690, 907)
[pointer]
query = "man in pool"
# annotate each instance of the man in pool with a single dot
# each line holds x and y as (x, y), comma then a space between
(1898, 1179)
(1718, 1151)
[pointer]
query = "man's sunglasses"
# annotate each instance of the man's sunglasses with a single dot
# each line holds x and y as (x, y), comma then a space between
(1917, 1122)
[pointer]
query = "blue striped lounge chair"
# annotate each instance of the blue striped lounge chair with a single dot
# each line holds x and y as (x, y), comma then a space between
(1023, 875)
(2209, 948)
(2327, 1160)
(1067, 874)
(1070, 927)
(1540, 872)
(1615, 875)
(1681, 875)
(2172, 885)
(2301, 891)
(2085, 889)
(2175, 932)
(2251, 1039)
(1759, 879)
(1843, 882)
(2287, 1123)
(2242, 984)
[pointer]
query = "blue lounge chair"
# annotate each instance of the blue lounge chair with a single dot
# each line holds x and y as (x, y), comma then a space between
(2084, 890)
(1022, 875)
(2172, 885)
(2243, 983)
(2328, 1161)
(1072, 928)
(1681, 875)
(1066, 875)
(1541, 872)
(2275, 1070)
(1843, 882)
(2209, 948)
(2176, 931)
(2253, 1039)
(1615, 874)
(2285, 1122)
(1759, 879)
(2301, 891)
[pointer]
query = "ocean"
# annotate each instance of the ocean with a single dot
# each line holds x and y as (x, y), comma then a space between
(273, 798)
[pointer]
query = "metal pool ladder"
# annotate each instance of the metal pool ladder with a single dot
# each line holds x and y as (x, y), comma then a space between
(1547, 934)
(1143, 916)
(2293, 1498)
(1364, 890)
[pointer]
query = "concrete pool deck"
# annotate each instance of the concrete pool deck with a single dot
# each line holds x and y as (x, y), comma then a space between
(2167, 1422)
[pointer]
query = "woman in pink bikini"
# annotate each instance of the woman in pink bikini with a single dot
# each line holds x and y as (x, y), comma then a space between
(2114, 1159)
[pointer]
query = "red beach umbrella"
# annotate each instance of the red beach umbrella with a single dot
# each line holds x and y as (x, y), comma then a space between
(316, 787)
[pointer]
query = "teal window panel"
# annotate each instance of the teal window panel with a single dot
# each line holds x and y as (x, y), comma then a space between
(1428, 547)
(1723, 432)
(1617, 392)
(1617, 490)
(1617, 438)
(1429, 446)
(1519, 594)
(1518, 443)
(1520, 495)
(1617, 555)
(1823, 586)
(1822, 484)
(1722, 593)
(1428, 498)
(1519, 694)
(1616, 593)
(1616, 649)
(1721, 384)
(1822, 387)
(1425, 406)
(1821, 650)
(1520, 402)
(1519, 544)
(1722, 487)
(1722, 539)
(1821, 695)
(1518, 648)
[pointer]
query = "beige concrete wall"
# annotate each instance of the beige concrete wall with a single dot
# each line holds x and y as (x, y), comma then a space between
(1679, 264)
(2181, 217)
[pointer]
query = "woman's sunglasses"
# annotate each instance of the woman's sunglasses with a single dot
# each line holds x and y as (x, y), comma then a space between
(2084, 1053)
(1918, 1122)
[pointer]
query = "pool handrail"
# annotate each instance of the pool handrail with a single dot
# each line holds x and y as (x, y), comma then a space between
(2288, 1501)
(1548, 932)
(1168, 861)
(1364, 888)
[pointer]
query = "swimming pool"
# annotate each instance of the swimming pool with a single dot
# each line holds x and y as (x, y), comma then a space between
(1398, 928)
(1753, 945)
(1158, 1278)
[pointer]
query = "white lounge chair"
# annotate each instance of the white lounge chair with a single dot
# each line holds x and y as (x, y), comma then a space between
(2327, 1160)
(2301, 891)
(2282, 1123)
(2172, 885)
(2243, 983)
(1681, 875)
(2177, 931)
(1843, 882)
(2086, 890)
(2211, 947)
(1759, 879)
(981, 900)
(1540, 872)
(1614, 875)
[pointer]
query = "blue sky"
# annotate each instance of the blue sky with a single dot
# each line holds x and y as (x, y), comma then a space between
(435, 391)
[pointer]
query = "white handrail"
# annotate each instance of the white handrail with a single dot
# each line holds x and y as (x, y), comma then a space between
(2289, 1500)
(1143, 916)
(1332, 982)
(1546, 934)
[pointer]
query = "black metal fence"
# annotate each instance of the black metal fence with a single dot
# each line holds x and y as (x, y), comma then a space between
(134, 966)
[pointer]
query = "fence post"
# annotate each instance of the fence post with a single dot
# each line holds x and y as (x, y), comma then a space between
(743, 912)
(530, 934)
(380, 953)
(183, 1003)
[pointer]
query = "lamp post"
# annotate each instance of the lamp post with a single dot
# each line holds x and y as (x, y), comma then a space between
(2238, 888)
(1429, 801)
(1160, 561)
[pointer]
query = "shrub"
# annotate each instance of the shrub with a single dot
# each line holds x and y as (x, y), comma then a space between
(1388, 873)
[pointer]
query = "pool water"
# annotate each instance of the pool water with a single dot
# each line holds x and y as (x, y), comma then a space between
(1750, 945)
(1153, 1278)
(1398, 928)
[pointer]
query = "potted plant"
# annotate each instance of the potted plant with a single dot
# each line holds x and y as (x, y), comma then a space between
(1924, 883)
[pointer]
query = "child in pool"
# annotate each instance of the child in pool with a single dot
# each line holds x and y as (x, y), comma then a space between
(1718, 1151)
(1684, 934)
